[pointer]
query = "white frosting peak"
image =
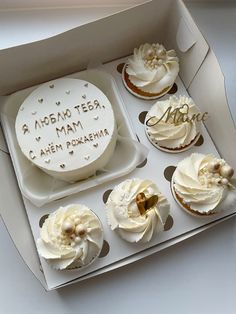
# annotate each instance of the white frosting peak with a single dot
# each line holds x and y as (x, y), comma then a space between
(71, 237)
(124, 216)
(166, 133)
(202, 188)
(152, 68)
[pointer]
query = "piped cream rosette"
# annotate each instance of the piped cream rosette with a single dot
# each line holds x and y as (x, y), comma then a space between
(202, 185)
(70, 237)
(137, 210)
(151, 71)
(174, 125)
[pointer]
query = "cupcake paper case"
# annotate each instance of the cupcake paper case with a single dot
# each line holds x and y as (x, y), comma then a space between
(201, 184)
(151, 71)
(166, 127)
(137, 210)
(71, 237)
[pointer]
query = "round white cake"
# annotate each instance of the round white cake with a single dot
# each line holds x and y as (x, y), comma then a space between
(67, 128)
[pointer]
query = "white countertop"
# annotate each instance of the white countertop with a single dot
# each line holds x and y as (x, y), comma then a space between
(216, 19)
(195, 276)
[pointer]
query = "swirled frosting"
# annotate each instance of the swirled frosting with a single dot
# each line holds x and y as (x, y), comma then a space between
(152, 68)
(167, 133)
(124, 216)
(71, 237)
(203, 184)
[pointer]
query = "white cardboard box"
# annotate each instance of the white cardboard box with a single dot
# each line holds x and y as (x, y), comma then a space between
(111, 38)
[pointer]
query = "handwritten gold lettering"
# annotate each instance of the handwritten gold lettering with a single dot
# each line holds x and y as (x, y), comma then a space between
(25, 129)
(177, 116)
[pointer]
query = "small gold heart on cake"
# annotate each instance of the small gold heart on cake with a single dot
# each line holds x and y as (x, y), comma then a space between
(51, 86)
(62, 166)
(47, 160)
(86, 85)
(144, 203)
(68, 92)
(140, 201)
(84, 96)
(40, 100)
(31, 154)
(38, 138)
(87, 157)
(96, 118)
(71, 152)
(34, 112)
(95, 145)
(151, 202)
(58, 103)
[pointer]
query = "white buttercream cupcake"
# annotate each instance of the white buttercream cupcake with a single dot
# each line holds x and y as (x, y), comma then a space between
(174, 125)
(201, 185)
(137, 210)
(70, 237)
(151, 71)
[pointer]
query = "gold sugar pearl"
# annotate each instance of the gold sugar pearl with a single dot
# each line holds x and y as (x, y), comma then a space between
(226, 171)
(68, 227)
(225, 181)
(213, 166)
(150, 54)
(80, 230)
(77, 240)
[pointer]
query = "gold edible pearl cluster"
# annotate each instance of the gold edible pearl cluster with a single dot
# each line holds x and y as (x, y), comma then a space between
(155, 56)
(72, 231)
(217, 172)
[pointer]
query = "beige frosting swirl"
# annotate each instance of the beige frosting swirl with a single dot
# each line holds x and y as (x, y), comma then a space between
(166, 133)
(203, 183)
(152, 68)
(124, 216)
(71, 237)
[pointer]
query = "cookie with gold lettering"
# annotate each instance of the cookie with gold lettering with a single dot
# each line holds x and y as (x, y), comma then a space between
(67, 128)
(174, 125)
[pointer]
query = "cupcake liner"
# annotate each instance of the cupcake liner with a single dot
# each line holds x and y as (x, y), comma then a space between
(138, 92)
(173, 150)
(186, 207)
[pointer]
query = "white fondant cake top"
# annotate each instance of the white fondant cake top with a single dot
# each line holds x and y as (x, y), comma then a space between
(65, 124)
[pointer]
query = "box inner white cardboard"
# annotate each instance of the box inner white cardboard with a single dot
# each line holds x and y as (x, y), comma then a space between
(104, 40)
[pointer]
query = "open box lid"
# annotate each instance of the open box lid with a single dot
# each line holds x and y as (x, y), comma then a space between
(214, 85)
(25, 21)
(103, 40)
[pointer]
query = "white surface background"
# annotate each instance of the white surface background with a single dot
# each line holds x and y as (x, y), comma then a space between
(217, 20)
(196, 276)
